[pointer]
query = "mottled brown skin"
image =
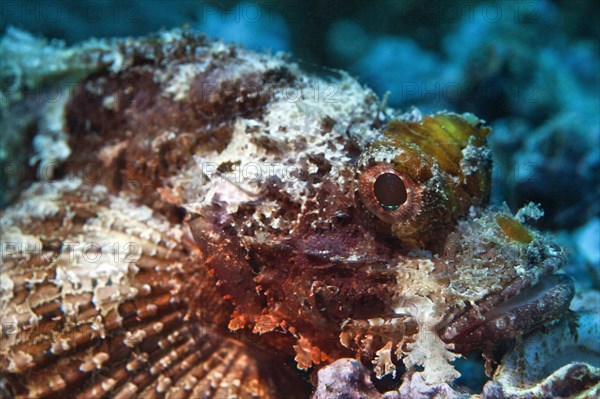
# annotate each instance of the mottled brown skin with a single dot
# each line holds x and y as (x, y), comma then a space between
(306, 280)
(251, 273)
(486, 334)
(117, 147)
(319, 286)
(177, 317)
(140, 161)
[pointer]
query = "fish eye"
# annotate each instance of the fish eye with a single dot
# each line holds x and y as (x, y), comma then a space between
(390, 191)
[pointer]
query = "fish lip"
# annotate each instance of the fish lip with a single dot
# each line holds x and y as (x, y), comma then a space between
(487, 323)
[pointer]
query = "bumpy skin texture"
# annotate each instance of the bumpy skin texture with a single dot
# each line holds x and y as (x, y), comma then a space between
(105, 297)
(244, 187)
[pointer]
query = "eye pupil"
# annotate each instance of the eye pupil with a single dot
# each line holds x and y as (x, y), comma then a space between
(390, 191)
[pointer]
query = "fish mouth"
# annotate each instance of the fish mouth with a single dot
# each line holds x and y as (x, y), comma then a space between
(517, 310)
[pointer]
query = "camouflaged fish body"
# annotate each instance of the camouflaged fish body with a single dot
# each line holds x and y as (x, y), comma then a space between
(224, 220)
